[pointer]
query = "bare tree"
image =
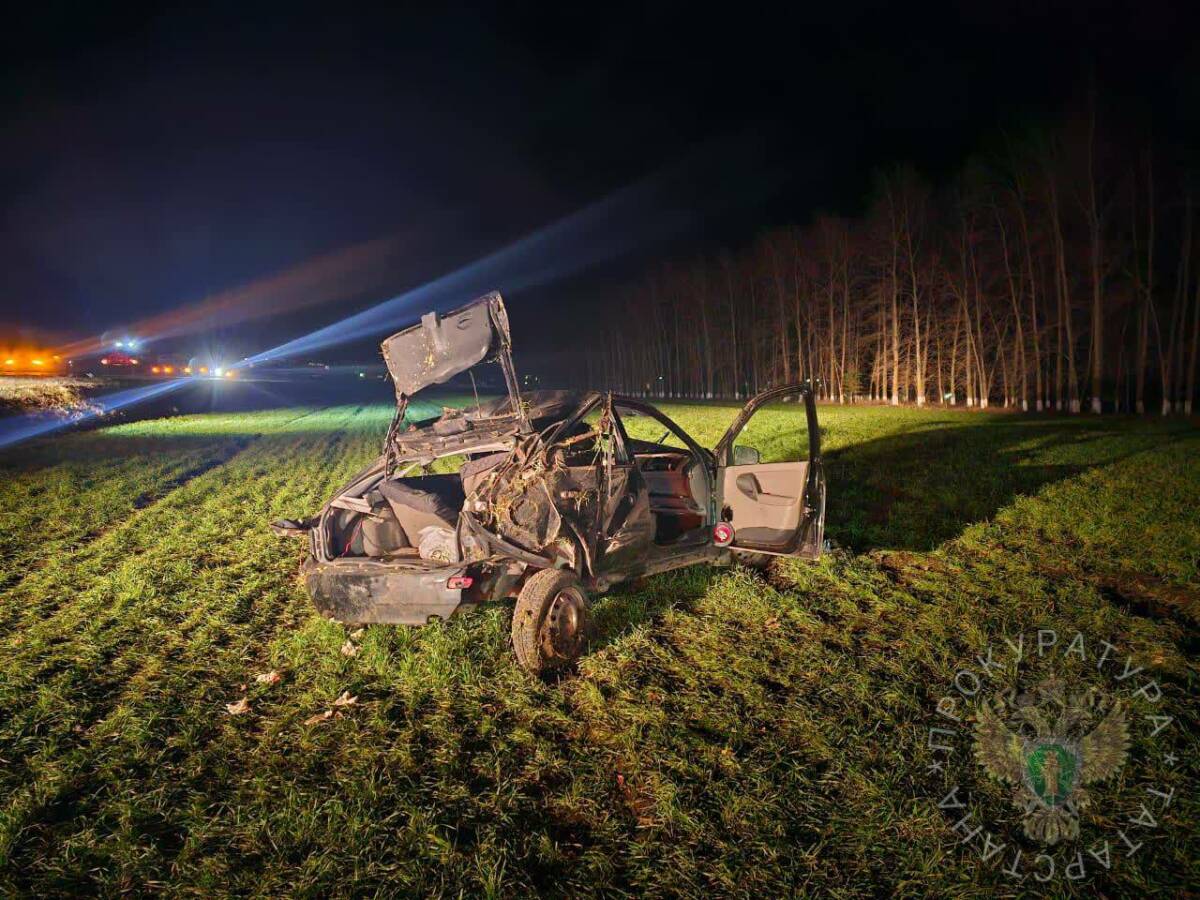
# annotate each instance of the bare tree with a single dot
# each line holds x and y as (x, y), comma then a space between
(975, 291)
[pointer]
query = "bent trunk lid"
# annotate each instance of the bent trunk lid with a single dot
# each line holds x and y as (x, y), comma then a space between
(439, 347)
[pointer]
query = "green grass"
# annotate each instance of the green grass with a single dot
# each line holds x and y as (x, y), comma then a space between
(728, 733)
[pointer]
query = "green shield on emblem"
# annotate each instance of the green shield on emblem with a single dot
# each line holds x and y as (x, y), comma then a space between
(1050, 771)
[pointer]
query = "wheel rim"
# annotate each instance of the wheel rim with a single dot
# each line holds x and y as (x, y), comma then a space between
(563, 631)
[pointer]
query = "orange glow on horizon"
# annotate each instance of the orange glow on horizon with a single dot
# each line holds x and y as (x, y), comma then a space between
(30, 360)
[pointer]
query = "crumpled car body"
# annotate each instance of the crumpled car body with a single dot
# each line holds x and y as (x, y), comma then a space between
(551, 480)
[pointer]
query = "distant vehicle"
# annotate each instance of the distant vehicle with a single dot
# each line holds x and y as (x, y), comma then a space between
(556, 500)
(119, 359)
(167, 366)
(206, 366)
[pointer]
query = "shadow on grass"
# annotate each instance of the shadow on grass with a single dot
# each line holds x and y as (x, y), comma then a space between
(627, 606)
(918, 489)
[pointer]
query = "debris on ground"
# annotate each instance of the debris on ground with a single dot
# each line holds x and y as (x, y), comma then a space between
(240, 707)
(268, 678)
(344, 699)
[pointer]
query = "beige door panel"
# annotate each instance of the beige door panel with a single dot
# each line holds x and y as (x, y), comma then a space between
(766, 500)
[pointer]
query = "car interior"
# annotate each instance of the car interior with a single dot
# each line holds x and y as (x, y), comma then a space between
(415, 516)
(675, 480)
(406, 517)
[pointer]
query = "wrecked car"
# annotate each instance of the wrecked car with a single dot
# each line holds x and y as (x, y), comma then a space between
(558, 496)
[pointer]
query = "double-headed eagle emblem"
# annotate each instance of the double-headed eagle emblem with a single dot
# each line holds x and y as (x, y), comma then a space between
(1046, 745)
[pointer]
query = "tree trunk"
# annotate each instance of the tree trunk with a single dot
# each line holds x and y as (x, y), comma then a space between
(1067, 335)
(1190, 390)
(1019, 350)
(1095, 257)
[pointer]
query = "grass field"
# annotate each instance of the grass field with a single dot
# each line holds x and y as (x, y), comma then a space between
(729, 732)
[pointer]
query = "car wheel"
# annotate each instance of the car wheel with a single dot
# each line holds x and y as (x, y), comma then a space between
(551, 622)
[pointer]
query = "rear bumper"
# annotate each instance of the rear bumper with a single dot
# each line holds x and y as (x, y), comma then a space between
(368, 593)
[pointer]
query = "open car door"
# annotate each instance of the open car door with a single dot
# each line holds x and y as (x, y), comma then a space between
(769, 477)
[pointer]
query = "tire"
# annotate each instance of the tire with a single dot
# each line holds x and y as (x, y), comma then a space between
(551, 622)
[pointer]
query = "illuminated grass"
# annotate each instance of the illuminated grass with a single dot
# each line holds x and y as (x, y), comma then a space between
(729, 733)
(65, 394)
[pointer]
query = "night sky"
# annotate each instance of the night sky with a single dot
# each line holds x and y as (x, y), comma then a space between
(151, 158)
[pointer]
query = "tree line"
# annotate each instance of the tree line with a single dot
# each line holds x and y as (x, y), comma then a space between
(1059, 273)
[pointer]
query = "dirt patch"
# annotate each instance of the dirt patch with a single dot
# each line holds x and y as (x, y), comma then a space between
(903, 566)
(1151, 597)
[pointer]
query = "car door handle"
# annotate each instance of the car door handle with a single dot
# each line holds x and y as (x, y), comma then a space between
(748, 485)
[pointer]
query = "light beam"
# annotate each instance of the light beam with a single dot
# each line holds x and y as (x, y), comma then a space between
(599, 232)
(332, 276)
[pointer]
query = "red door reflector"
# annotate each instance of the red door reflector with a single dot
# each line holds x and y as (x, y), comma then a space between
(459, 582)
(722, 534)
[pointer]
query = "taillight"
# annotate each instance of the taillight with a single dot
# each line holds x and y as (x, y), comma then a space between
(459, 582)
(722, 534)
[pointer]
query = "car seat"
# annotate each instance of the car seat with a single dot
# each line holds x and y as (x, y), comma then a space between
(423, 501)
(474, 471)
